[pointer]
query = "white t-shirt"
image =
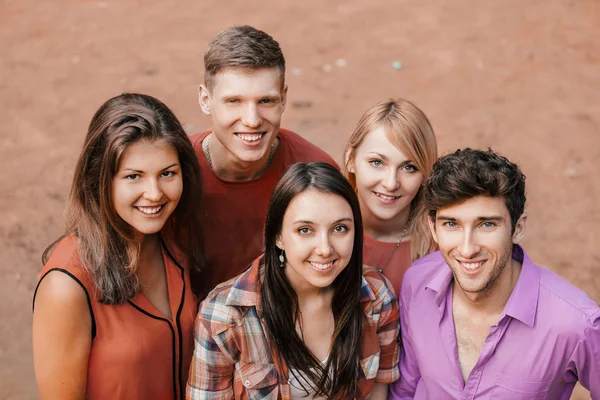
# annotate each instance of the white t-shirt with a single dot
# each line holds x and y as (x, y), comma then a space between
(297, 380)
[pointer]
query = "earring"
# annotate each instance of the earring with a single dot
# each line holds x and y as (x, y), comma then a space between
(282, 259)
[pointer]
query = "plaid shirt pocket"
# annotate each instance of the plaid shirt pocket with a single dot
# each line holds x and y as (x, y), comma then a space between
(260, 381)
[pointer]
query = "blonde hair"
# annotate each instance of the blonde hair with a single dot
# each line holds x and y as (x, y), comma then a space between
(408, 128)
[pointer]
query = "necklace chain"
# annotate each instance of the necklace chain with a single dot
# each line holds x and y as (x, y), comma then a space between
(381, 266)
(209, 159)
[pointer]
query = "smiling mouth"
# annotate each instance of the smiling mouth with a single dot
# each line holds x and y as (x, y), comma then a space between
(150, 210)
(472, 265)
(386, 197)
(322, 266)
(250, 137)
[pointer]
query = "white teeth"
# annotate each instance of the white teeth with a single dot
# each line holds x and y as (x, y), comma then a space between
(249, 137)
(321, 266)
(472, 265)
(383, 196)
(149, 210)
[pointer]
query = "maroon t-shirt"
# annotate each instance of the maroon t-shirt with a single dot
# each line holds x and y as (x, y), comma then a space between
(234, 212)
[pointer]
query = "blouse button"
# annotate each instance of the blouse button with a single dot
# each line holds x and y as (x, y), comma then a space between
(247, 384)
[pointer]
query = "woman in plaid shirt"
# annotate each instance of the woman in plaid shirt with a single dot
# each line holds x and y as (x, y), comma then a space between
(306, 320)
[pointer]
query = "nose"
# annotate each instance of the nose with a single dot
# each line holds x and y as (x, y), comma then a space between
(251, 116)
(324, 247)
(390, 181)
(153, 191)
(469, 246)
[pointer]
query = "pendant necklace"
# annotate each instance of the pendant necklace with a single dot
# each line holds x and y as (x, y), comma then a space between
(381, 266)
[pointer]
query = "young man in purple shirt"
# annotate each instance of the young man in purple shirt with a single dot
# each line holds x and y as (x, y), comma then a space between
(479, 319)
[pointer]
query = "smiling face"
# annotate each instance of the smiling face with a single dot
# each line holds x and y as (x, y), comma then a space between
(317, 236)
(475, 239)
(147, 186)
(245, 106)
(386, 180)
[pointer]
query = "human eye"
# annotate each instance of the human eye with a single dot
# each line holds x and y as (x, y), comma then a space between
(132, 177)
(450, 224)
(232, 101)
(489, 224)
(304, 230)
(167, 174)
(410, 168)
(341, 228)
(377, 163)
(267, 101)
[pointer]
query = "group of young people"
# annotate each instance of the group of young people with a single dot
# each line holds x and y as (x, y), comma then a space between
(241, 263)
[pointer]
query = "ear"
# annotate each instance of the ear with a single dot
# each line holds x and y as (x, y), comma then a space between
(278, 243)
(204, 99)
(349, 161)
(284, 98)
(431, 225)
(519, 232)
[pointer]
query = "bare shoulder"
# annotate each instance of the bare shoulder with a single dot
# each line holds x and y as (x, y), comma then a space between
(61, 291)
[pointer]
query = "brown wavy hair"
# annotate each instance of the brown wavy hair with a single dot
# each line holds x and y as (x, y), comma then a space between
(469, 173)
(106, 245)
(409, 129)
(338, 378)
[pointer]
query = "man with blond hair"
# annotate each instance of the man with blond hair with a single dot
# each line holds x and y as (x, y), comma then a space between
(246, 152)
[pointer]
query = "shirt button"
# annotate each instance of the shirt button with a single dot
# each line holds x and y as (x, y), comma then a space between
(380, 270)
(247, 384)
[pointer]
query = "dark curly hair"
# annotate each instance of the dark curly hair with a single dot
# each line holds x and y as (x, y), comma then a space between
(468, 173)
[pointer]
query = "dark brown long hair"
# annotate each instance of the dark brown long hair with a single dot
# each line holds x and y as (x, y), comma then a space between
(338, 378)
(106, 245)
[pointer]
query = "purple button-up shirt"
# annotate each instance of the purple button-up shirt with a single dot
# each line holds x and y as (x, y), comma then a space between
(546, 340)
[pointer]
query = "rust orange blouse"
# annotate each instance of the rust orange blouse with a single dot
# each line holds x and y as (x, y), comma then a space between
(136, 353)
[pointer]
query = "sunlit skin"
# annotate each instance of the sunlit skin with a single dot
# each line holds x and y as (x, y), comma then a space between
(386, 182)
(245, 106)
(317, 236)
(475, 239)
(147, 186)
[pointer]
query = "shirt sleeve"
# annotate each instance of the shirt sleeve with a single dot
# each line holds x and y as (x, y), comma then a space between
(387, 333)
(585, 360)
(212, 367)
(410, 375)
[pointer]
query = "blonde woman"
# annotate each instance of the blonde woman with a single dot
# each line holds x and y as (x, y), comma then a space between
(387, 159)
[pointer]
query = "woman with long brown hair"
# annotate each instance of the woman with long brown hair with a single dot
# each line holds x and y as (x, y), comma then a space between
(113, 309)
(387, 158)
(306, 320)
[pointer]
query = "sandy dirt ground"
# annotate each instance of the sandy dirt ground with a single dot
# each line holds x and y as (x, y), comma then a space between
(520, 76)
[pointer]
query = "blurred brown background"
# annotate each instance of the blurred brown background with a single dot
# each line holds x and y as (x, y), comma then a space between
(520, 76)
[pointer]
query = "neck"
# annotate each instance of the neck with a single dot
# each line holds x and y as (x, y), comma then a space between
(228, 166)
(149, 246)
(389, 230)
(493, 299)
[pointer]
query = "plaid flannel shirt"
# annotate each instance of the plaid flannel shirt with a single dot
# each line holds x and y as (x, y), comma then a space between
(234, 360)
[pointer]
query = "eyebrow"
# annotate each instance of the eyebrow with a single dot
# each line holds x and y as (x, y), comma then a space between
(385, 158)
(273, 95)
(139, 171)
(480, 218)
(311, 222)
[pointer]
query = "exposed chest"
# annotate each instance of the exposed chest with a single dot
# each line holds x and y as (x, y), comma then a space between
(317, 331)
(155, 286)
